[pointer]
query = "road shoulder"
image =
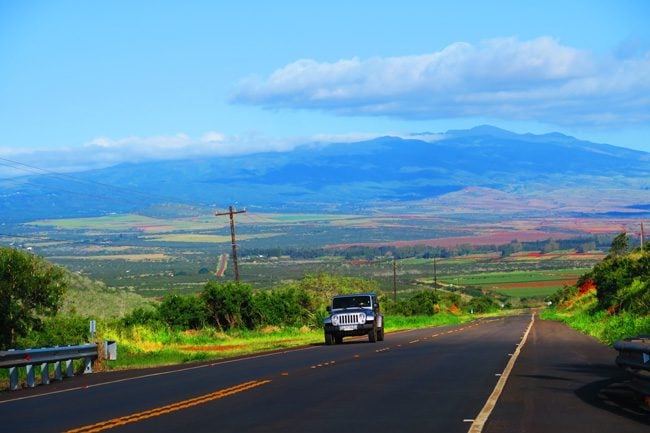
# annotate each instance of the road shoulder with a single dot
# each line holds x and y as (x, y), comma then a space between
(566, 381)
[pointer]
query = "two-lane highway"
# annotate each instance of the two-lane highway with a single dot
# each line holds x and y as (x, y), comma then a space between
(435, 379)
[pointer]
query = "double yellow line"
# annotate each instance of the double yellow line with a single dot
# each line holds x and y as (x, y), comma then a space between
(139, 416)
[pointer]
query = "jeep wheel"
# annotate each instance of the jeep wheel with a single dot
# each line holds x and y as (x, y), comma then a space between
(372, 335)
(329, 339)
(380, 334)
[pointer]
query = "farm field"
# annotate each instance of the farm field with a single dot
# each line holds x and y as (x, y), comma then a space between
(152, 256)
(521, 283)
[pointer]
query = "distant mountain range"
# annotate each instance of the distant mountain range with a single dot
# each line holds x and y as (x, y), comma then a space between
(483, 169)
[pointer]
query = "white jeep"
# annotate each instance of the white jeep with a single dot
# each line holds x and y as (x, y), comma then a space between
(353, 315)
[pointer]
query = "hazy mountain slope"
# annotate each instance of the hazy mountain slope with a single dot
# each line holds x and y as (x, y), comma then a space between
(346, 175)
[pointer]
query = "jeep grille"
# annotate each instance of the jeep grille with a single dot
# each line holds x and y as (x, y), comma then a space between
(350, 319)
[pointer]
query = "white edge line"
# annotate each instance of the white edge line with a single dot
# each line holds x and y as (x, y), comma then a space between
(482, 417)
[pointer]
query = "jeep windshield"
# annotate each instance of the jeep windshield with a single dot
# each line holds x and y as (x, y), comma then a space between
(351, 302)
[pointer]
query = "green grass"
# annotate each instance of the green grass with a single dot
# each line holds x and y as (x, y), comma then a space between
(145, 347)
(584, 316)
(142, 347)
(528, 292)
(394, 323)
(496, 278)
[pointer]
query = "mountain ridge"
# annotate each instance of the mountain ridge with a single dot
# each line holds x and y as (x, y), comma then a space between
(353, 175)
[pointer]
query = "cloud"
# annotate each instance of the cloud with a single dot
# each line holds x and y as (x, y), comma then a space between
(538, 79)
(104, 152)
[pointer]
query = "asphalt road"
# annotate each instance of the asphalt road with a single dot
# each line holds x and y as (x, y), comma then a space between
(432, 380)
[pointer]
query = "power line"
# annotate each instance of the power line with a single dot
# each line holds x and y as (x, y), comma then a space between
(124, 190)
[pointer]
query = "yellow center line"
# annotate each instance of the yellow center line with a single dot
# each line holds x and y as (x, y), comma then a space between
(139, 416)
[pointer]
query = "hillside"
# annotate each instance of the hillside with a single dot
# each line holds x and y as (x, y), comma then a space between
(610, 302)
(529, 174)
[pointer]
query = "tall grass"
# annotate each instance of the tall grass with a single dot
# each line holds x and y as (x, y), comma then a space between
(585, 316)
(147, 346)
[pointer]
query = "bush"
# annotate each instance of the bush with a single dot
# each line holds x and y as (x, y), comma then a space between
(142, 316)
(291, 307)
(634, 298)
(229, 305)
(610, 275)
(422, 303)
(183, 312)
(482, 304)
(58, 331)
(30, 288)
(323, 287)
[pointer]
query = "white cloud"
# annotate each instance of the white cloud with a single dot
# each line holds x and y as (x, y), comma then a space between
(103, 152)
(539, 79)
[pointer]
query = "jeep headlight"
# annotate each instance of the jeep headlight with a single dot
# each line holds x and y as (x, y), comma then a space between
(362, 318)
(335, 320)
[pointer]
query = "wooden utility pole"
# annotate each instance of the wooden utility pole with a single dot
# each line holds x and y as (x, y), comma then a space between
(642, 236)
(435, 275)
(394, 281)
(232, 212)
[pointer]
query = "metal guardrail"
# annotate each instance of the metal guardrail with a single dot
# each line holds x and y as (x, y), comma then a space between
(634, 357)
(60, 358)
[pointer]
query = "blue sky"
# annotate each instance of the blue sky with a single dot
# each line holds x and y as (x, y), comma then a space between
(107, 81)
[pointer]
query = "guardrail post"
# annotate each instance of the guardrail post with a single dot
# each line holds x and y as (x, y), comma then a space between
(88, 365)
(62, 358)
(13, 378)
(45, 373)
(58, 375)
(31, 376)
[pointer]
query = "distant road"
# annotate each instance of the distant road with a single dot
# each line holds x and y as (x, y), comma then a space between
(432, 380)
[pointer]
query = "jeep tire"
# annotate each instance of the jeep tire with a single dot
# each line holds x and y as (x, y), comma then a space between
(372, 335)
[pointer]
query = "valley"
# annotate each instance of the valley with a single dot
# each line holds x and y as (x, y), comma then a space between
(151, 257)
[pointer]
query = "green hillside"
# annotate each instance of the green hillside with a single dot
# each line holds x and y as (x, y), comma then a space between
(612, 301)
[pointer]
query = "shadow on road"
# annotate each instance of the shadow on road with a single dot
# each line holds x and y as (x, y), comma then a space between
(611, 394)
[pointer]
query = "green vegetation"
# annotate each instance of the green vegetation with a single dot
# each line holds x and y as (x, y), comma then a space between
(30, 288)
(187, 314)
(229, 319)
(613, 300)
(159, 254)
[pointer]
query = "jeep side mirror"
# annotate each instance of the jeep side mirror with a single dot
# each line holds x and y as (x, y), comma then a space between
(329, 308)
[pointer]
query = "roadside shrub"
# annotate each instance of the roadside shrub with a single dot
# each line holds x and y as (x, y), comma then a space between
(634, 298)
(182, 312)
(422, 303)
(57, 331)
(610, 275)
(291, 307)
(482, 304)
(563, 294)
(323, 286)
(229, 305)
(142, 316)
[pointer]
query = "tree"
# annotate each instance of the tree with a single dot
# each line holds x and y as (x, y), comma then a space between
(182, 312)
(30, 288)
(229, 305)
(620, 245)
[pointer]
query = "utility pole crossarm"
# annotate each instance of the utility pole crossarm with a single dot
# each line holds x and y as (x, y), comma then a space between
(232, 212)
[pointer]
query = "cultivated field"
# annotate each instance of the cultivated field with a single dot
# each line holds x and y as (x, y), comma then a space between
(154, 256)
